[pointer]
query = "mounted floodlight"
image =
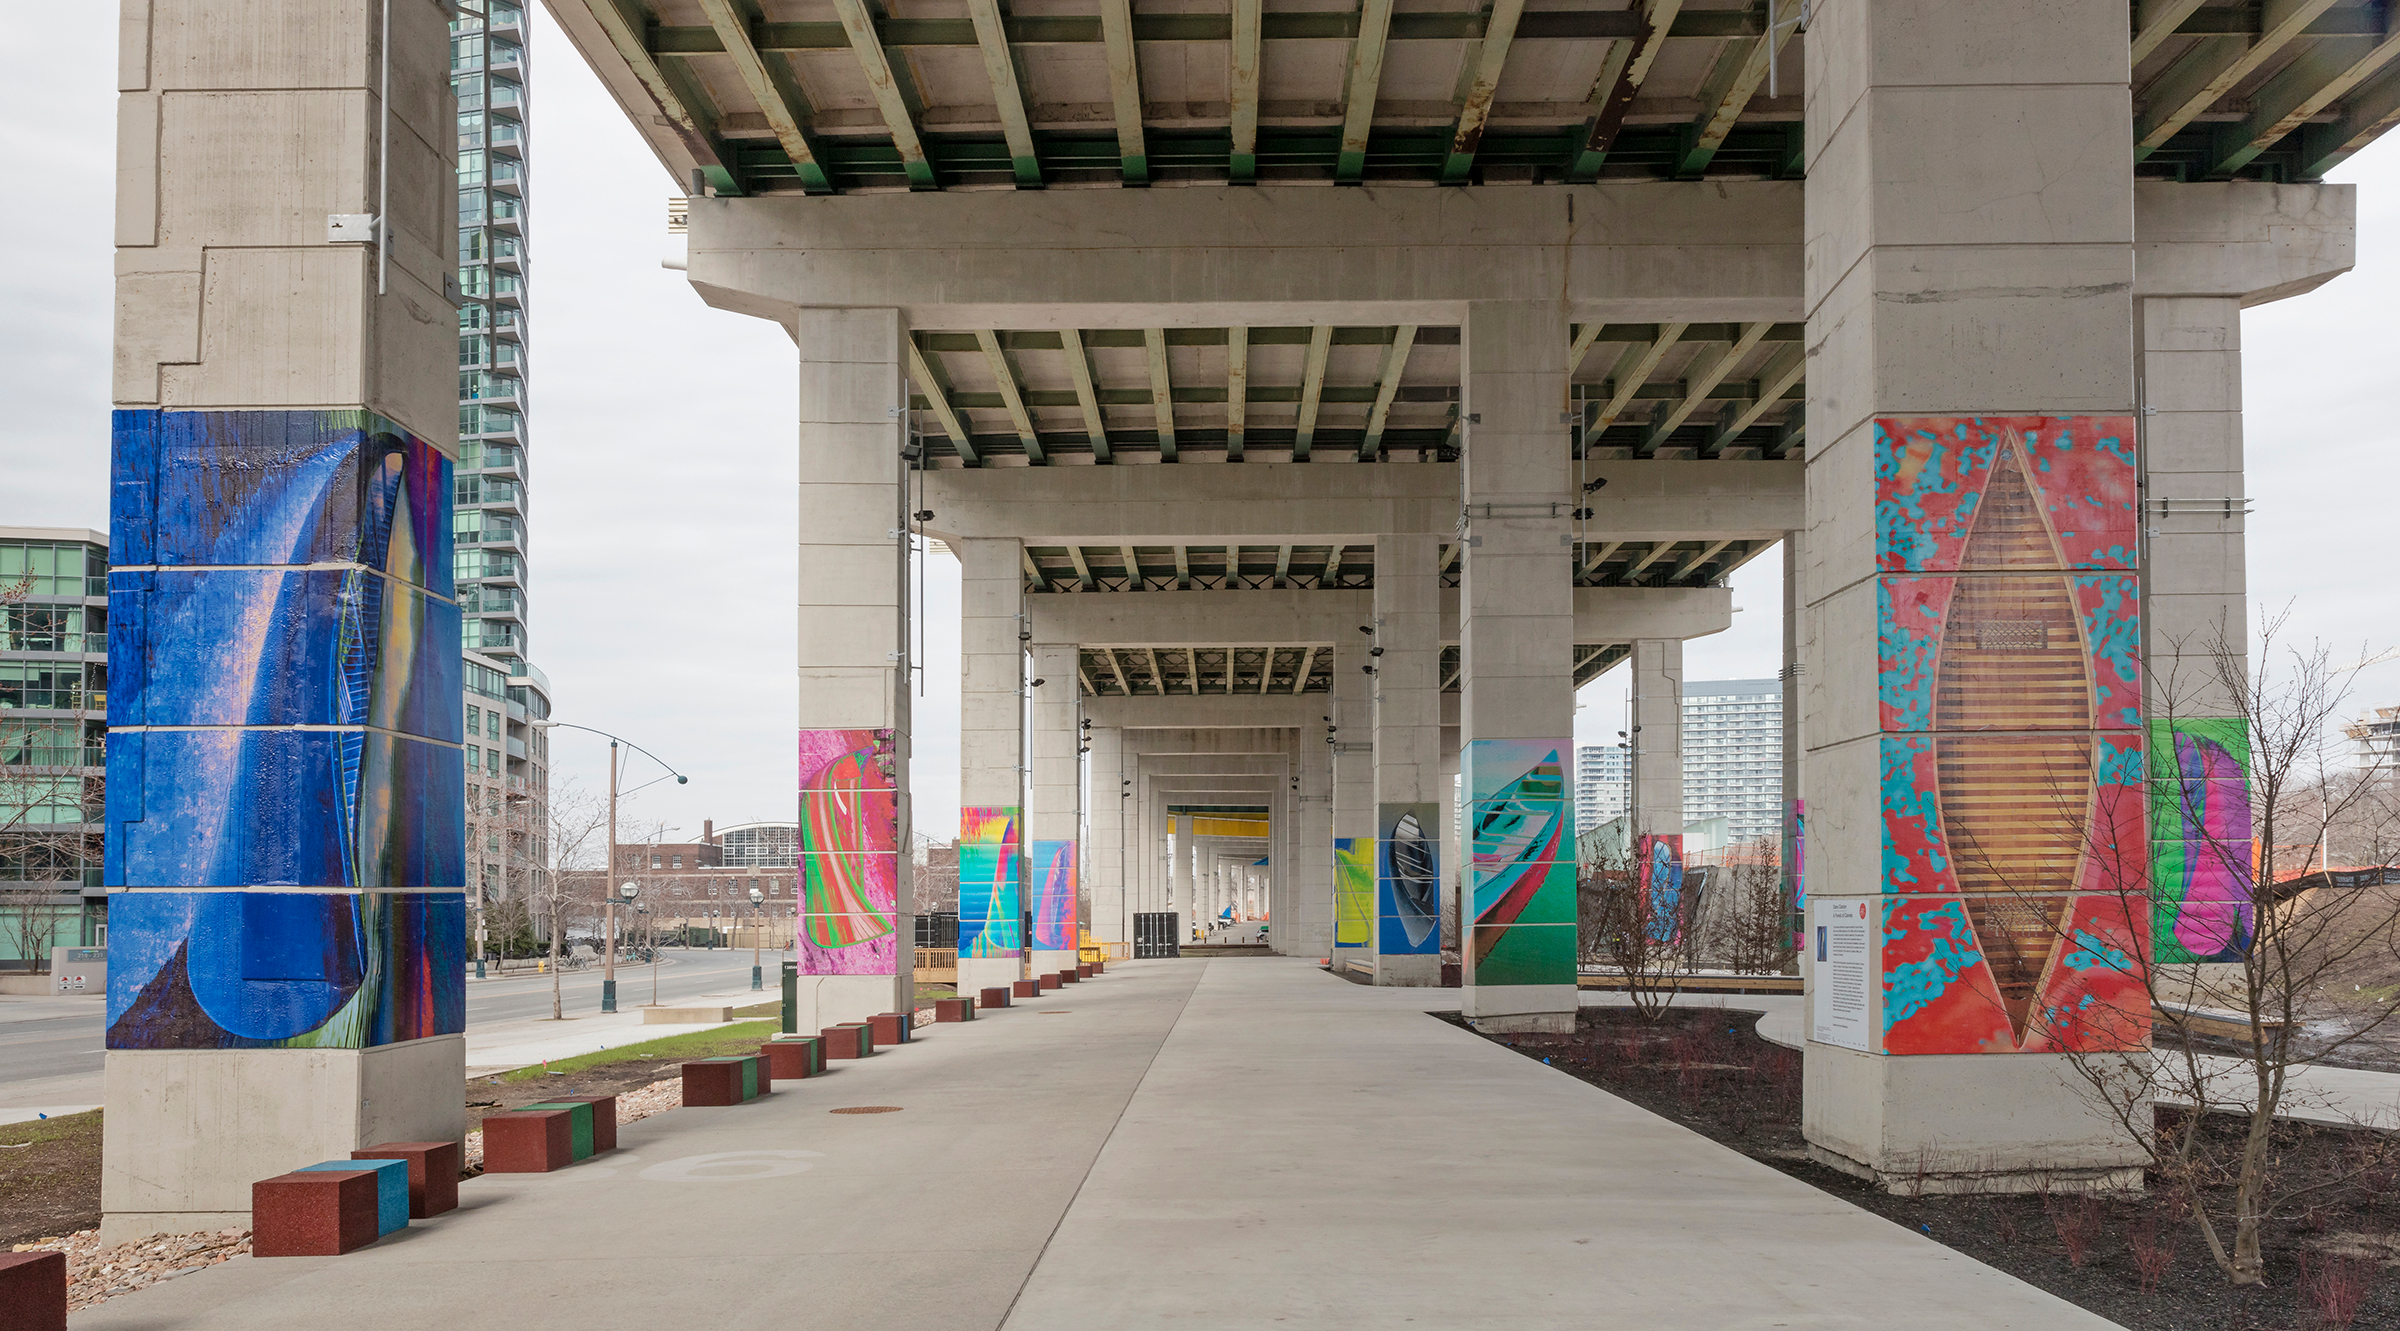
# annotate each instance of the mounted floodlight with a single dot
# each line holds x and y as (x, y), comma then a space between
(1040, 682)
(1594, 484)
(924, 515)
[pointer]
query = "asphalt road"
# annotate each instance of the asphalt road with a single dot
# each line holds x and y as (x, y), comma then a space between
(44, 1038)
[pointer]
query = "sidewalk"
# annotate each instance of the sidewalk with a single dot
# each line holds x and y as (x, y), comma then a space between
(1104, 1157)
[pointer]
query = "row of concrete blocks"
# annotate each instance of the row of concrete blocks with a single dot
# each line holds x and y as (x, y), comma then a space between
(338, 1206)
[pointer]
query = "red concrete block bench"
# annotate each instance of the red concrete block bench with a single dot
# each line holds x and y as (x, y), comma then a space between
(1050, 981)
(996, 996)
(851, 1039)
(604, 1118)
(528, 1141)
(892, 1028)
(953, 1009)
(433, 1169)
(1083, 970)
(791, 1059)
(1099, 967)
(725, 1081)
(1028, 988)
(1069, 976)
(313, 1213)
(33, 1291)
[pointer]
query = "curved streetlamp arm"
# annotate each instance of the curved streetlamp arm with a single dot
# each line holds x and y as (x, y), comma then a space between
(680, 778)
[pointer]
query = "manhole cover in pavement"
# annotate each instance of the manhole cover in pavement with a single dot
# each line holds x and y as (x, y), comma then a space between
(866, 1109)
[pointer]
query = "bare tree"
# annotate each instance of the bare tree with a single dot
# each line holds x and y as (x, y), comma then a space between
(1633, 920)
(1756, 930)
(576, 834)
(2269, 932)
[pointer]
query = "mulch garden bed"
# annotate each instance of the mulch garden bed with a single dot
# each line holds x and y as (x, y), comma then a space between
(2133, 1260)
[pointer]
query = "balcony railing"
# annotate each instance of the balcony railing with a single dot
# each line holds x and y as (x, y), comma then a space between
(42, 641)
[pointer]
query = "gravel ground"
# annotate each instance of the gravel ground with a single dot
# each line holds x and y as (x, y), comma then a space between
(96, 1274)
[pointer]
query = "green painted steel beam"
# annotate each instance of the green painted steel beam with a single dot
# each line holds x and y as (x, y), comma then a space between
(1242, 84)
(776, 92)
(2204, 74)
(1467, 133)
(682, 105)
(2371, 108)
(1000, 65)
(1359, 89)
(1237, 391)
(1162, 391)
(1079, 30)
(1087, 397)
(884, 85)
(929, 378)
(1312, 392)
(1125, 89)
(2300, 90)
(1621, 73)
(1004, 371)
(1395, 363)
(1740, 68)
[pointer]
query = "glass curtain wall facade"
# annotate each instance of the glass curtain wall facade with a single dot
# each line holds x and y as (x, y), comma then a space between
(53, 736)
(507, 758)
(1733, 755)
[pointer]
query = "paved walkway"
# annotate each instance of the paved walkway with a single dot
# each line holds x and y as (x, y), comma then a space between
(1207, 1144)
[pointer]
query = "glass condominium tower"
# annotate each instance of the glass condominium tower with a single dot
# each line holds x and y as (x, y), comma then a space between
(507, 756)
(487, 72)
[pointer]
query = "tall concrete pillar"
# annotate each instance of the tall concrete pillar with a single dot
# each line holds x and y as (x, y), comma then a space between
(1454, 864)
(1109, 812)
(1794, 854)
(2195, 612)
(1409, 796)
(992, 843)
(285, 848)
(1973, 717)
(855, 946)
(1353, 755)
(1305, 928)
(1655, 827)
(1516, 646)
(1053, 840)
(1179, 875)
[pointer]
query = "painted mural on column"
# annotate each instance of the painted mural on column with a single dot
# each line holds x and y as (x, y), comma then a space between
(1799, 874)
(1054, 895)
(284, 683)
(1658, 876)
(988, 921)
(1408, 879)
(2201, 852)
(1521, 863)
(849, 853)
(2010, 701)
(1353, 891)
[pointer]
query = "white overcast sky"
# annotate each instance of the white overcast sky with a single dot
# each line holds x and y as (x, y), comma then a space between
(663, 513)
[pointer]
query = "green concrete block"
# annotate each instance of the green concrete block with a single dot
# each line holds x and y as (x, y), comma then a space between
(580, 1114)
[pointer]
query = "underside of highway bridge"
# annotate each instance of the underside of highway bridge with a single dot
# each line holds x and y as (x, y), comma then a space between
(1313, 397)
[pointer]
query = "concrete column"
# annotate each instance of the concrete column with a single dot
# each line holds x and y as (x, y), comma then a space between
(1179, 875)
(2194, 577)
(1795, 799)
(1108, 809)
(1409, 796)
(1454, 864)
(1353, 754)
(1306, 927)
(1053, 842)
(855, 948)
(1972, 512)
(992, 842)
(1657, 733)
(284, 644)
(1516, 642)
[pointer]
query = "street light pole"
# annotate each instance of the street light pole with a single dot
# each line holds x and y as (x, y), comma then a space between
(608, 965)
(757, 976)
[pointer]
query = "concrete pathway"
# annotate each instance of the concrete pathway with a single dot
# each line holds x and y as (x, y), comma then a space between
(1207, 1144)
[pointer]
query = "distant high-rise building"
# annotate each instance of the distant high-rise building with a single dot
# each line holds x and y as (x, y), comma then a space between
(1603, 785)
(1733, 755)
(507, 757)
(2375, 741)
(53, 734)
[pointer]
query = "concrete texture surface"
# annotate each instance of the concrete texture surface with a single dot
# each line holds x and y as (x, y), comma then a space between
(1222, 1143)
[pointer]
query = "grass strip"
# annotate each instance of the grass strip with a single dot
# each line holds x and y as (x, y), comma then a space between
(743, 1038)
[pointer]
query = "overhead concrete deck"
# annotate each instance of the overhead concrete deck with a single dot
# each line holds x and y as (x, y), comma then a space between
(1225, 1143)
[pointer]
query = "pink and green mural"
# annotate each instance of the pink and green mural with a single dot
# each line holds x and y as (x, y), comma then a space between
(1054, 922)
(2014, 841)
(988, 913)
(1521, 863)
(1408, 880)
(284, 684)
(849, 853)
(1353, 892)
(2201, 852)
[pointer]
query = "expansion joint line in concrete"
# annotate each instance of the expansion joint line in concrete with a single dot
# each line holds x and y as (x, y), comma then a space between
(1089, 1165)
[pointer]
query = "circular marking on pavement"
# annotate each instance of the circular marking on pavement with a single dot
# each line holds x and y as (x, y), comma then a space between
(866, 1109)
(1055, 1012)
(731, 1167)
